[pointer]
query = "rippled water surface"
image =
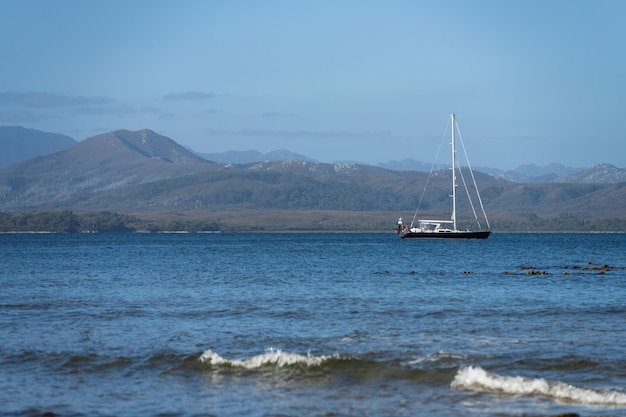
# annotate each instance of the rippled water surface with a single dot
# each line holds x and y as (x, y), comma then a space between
(312, 325)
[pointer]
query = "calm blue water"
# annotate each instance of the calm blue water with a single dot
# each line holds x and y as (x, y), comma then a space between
(312, 325)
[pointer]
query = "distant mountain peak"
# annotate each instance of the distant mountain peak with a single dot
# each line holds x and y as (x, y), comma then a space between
(103, 162)
(18, 143)
(149, 144)
(600, 173)
(285, 155)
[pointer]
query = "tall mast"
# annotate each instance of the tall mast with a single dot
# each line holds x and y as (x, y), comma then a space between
(453, 177)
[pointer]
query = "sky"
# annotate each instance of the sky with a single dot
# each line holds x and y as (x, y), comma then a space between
(530, 81)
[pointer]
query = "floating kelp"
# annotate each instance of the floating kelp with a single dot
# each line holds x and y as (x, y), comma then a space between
(590, 267)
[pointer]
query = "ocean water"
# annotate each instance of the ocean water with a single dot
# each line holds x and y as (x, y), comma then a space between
(312, 325)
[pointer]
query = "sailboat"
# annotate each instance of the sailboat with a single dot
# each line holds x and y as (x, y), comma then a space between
(447, 228)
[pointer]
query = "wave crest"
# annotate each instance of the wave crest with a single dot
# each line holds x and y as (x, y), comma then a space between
(476, 378)
(275, 357)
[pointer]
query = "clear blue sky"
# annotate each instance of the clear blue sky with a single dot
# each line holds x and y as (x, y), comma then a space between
(531, 81)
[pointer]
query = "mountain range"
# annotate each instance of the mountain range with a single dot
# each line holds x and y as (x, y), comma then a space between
(530, 173)
(144, 173)
(18, 143)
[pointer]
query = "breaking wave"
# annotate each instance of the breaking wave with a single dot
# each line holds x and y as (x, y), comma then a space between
(273, 357)
(477, 379)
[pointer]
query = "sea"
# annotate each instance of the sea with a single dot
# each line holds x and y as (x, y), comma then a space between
(312, 324)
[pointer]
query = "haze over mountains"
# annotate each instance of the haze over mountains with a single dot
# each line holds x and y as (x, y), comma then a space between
(18, 143)
(144, 172)
(524, 173)
(245, 157)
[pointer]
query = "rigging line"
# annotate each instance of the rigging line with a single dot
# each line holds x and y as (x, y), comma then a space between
(432, 169)
(467, 193)
(480, 200)
(469, 197)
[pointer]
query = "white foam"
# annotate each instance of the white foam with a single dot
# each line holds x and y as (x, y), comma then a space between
(270, 357)
(476, 378)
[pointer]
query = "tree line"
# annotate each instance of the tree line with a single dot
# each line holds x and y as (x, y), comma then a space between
(97, 222)
(112, 222)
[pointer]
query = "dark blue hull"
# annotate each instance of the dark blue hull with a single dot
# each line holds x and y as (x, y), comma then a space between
(483, 234)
